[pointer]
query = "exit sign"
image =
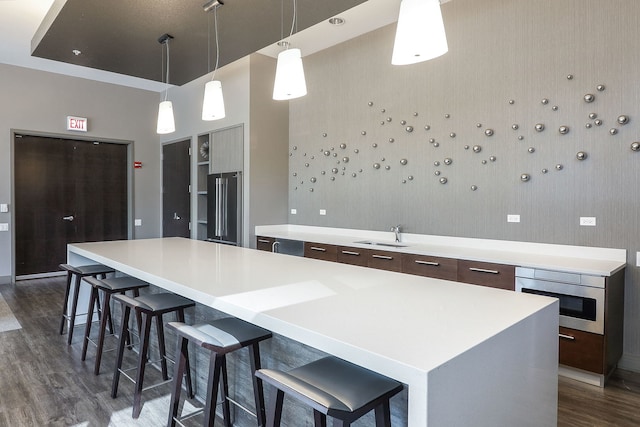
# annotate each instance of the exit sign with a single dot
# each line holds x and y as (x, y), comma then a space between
(78, 124)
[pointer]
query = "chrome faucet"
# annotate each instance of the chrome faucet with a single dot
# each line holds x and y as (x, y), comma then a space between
(396, 229)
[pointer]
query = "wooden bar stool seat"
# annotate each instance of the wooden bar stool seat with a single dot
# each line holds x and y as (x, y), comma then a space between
(220, 337)
(146, 308)
(80, 272)
(108, 287)
(332, 387)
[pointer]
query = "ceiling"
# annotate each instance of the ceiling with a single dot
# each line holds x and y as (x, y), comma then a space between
(119, 38)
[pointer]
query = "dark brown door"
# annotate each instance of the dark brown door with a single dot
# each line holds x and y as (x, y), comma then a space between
(66, 191)
(176, 199)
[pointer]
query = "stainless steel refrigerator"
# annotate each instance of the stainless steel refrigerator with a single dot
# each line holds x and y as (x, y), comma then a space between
(224, 208)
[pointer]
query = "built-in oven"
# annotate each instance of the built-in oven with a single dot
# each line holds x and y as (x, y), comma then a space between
(581, 297)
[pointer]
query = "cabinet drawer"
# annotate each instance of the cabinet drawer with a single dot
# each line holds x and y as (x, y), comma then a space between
(487, 274)
(264, 243)
(385, 260)
(429, 266)
(582, 350)
(321, 251)
(353, 256)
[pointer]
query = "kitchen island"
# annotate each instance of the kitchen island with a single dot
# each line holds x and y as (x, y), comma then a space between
(468, 355)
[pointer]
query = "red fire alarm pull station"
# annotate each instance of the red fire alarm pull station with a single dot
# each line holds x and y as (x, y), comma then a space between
(137, 165)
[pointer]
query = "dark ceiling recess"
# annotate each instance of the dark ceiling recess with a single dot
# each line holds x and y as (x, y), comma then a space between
(122, 35)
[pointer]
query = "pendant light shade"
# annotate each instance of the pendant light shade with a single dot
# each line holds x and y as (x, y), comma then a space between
(420, 33)
(166, 123)
(213, 103)
(290, 82)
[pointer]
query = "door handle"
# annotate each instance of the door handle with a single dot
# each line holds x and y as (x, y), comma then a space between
(68, 218)
(175, 216)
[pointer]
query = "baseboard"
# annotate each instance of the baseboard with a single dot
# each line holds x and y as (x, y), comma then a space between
(5, 280)
(630, 362)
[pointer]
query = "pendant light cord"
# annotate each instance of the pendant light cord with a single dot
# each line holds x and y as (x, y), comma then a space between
(293, 22)
(166, 91)
(215, 26)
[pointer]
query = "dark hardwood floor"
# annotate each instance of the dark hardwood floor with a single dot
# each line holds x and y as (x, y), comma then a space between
(43, 382)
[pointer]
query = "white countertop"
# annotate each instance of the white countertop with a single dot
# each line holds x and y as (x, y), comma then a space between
(400, 325)
(565, 258)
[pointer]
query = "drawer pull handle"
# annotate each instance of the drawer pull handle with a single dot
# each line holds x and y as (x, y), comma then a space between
(263, 241)
(385, 257)
(351, 253)
(484, 270)
(567, 337)
(315, 248)
(435, 264)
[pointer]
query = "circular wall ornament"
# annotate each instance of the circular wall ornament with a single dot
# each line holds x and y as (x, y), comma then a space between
(515, 126)
(403, 122)
(427, 127)
(545, 170)
(613, 131)
(635, 146)
(588, 125)
(448, 161)
(545, 101)
(376, 165)
(409, 128)
(525, 177)
(437, 173)
(581, 155)
(443, 180)
(474, 187)
(204, 150)
(569, 76)
(597, 122)
(539, 127)
(436, 144)
(559, 167)
(589, 98)
(488, 132)
(600, 88)
(593, 116)
(477, 148)
(531, 150)
(563, 130)
(403, 162)
(343, 145)
(436, 163)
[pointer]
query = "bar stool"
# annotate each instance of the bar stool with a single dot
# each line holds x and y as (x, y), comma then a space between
(220, 337)
(146, 308)
(333, 387)
(95, 270)
(108, 287)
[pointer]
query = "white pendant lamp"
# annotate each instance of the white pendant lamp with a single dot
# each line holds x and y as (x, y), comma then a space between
(213, 102)
(290, 82)
(420, 34)
(166, 122)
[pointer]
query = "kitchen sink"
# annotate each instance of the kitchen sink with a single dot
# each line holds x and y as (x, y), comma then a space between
(389, 245)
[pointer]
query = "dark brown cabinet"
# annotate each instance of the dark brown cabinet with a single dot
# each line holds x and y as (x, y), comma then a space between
(430, 266)
(582, 350)
(499, 276)
(385, 260)
(353, 256)
(321, 251)
(264, 243)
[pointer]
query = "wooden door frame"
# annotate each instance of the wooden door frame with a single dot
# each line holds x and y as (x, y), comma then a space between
(83, 138)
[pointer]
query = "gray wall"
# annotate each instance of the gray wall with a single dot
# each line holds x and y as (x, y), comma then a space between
(499, 50)
(39, 102)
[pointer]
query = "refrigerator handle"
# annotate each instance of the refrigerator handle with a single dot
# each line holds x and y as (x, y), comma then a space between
(221, 207)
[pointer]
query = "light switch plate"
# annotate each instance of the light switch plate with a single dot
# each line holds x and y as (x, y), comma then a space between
(137, 222)
(323, 211)
(637, 259)
(589, 221)
(4, 207)
(4, 227)
(294, 211)
(513, 218)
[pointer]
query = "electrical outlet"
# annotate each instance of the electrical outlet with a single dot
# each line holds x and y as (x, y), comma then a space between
(513, 218)
(323, 211)
(137, 222)
(4, 207)
(4, 227)
(637, 259)
(294, 211)
(589, 221)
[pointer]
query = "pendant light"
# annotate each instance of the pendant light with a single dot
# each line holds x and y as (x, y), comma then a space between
(213, 102)
(290, 82)
(166, 122)
(420, 33)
